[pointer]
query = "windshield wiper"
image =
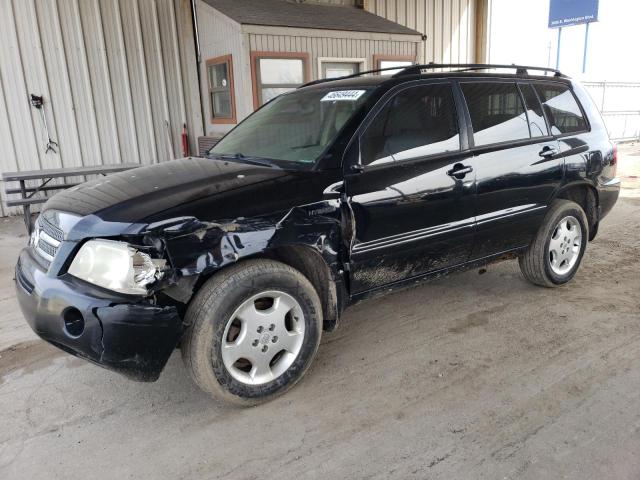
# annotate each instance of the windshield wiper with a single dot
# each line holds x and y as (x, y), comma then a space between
(309, 145)
(243, 158)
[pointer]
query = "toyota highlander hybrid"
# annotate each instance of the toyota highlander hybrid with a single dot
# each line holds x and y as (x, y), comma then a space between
(327, 195)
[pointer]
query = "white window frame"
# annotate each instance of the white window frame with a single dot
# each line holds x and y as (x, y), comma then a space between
(321, 60)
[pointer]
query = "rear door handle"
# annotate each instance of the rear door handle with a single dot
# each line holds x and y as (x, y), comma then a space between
(459, 171)
(548, 152)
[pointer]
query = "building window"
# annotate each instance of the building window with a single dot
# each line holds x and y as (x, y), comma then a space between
(221, 96)
(329, 67)
(274, 73)
(390, 61)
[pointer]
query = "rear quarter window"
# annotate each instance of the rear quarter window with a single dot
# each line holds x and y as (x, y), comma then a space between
(562, 109)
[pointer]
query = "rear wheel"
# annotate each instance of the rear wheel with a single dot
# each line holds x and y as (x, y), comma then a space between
(555, 254)
(253, 332)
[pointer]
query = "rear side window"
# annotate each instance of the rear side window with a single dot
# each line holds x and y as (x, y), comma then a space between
(562, 109)
(537, 125)
(497, 113)
(416, 122)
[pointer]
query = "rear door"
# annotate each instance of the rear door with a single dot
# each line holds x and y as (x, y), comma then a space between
(517, 163)
(412, 201)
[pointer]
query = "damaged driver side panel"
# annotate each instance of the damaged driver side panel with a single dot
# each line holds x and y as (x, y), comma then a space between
(195, 249)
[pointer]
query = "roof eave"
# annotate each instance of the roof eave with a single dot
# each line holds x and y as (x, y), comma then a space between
(337, 33)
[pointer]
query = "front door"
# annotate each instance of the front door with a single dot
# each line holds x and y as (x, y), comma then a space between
(413, 198)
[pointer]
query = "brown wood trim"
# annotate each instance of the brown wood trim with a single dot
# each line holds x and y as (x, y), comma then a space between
(379, 57)
(228, 59)
(255, 55)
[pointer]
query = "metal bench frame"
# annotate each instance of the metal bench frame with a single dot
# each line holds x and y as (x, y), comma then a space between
(28, 194)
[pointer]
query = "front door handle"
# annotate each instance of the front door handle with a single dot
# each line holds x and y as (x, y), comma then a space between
(459, 171)
(548, 151)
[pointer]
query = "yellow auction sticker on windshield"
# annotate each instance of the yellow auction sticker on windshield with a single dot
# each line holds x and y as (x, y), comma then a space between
(348, 95)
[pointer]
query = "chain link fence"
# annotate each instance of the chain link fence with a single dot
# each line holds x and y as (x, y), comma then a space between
(619, 103)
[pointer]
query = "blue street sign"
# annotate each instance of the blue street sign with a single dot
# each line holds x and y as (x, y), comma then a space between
(564, 13)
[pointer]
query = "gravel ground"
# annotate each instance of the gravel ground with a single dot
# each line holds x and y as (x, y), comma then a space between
(470, 376)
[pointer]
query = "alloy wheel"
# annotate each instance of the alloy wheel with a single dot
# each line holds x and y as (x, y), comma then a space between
(564, 246)
(263, 337)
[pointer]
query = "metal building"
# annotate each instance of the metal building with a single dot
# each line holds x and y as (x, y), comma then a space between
(120, 78)
(453, 29)
(264, 47)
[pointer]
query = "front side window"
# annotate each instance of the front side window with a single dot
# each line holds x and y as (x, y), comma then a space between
(562, 109)
(417, 122)
(296, 127)
(496, 111)
(220, 78)
(276, 74)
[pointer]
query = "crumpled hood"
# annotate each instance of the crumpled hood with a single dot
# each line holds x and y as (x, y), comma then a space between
(145, 192)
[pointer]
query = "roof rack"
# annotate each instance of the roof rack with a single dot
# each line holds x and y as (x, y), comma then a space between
(417, 69)
(520, 69)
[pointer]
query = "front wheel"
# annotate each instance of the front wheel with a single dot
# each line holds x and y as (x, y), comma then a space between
(254, 329)
(553, 258)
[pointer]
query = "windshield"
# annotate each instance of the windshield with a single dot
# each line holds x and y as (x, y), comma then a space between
(295, 127)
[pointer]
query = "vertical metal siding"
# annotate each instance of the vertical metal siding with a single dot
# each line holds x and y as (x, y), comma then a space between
(189, 68)
(99, 86)
(113, 77)
(448, 25)
(138, 80)
(122, 98)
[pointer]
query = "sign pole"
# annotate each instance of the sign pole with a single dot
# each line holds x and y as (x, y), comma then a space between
(586, 43)
(558, 51)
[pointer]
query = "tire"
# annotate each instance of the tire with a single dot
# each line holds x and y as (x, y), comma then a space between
(239, 312)
(553, 264)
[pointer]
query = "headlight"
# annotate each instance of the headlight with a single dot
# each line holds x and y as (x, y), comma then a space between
(116, 266)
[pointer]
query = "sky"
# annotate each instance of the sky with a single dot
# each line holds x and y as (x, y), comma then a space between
(520, 34)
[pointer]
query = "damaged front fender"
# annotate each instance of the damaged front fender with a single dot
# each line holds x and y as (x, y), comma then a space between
(196, 249)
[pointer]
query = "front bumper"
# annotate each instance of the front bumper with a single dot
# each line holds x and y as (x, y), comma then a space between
(130, 336)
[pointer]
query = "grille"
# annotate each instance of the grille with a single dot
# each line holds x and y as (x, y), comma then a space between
(46, 239)
(51, 230)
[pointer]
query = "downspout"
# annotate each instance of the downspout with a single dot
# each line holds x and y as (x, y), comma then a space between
(196, 36)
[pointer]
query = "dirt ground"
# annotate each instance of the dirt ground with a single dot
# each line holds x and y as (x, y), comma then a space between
(470, 376)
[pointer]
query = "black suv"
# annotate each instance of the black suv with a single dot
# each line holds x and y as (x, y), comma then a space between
(326, 195)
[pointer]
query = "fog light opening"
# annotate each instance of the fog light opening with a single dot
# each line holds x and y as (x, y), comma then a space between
(73, 322)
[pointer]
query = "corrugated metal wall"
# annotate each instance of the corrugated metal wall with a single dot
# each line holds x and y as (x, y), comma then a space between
(116, 77)
(448, 24)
